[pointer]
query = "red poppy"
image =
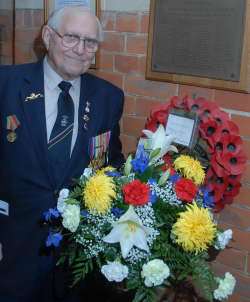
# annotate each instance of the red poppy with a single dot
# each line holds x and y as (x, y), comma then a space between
(233, 188)
(207, 109)
(210, 131)
(231, 143)
(185, 189)
(221, 117)
(176, 102)
(229, 127)
(195, 105)
(233, 162)
(151, 125)
(136, 193)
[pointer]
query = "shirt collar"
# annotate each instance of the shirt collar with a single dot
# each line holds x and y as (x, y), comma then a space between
(52, 78)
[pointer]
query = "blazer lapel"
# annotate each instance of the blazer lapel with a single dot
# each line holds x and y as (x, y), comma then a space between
(32, 97)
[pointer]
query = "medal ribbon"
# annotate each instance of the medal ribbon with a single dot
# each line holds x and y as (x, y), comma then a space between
(12, 122)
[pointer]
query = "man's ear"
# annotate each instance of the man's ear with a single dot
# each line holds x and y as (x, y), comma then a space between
(46, 35)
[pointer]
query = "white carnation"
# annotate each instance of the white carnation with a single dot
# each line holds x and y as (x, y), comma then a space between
(115, 271)
(155, 272)
(223, 239)
(71, 217)
(63, 195)
(87, 172)
(225, 288)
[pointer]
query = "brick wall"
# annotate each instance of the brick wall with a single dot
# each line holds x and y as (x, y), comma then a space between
(122, 61)
(6, 28)
(23, 43)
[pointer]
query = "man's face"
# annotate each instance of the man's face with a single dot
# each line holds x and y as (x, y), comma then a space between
(70, 63)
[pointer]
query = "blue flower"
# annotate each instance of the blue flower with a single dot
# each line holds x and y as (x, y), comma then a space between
(153, 196)
(113, 173)
(50, 214)
(54, 239)
(208, 200)
(140, 163)
(117, 212)
(84, 213)
(173, 178)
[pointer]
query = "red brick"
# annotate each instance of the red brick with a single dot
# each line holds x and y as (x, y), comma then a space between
(126, 64)
(243, 123)
(246, 174)
(237, 298)
(6, 48)
(246, 147)
(142, 65)
(113, 42)
(145, 105)
(108, 20)
(141, 87)
(129, 144)
(137, 44)
(240, 238)
(106, 61)
(27, 18)
(126, 22)
(233, 258)
(235, 216)
(243, 197)
(144, 23)
(19, 18)
(112, 77)
(195, 92)
(129, 105)
(133, 125)
(233, 100)
(38, 18)
(26, 34)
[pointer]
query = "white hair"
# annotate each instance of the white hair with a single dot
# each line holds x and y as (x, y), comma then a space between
(56, 17)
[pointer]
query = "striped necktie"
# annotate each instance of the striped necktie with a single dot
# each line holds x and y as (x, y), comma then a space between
(59, 145)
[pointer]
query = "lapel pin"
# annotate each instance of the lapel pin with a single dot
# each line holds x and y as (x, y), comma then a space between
(33, 97)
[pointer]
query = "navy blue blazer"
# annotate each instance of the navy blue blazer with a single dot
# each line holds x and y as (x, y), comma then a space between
(26, 181)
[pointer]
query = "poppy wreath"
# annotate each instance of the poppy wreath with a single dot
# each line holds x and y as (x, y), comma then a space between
(219, 146)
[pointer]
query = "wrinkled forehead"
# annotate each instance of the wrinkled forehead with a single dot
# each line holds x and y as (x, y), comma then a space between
(80, 23)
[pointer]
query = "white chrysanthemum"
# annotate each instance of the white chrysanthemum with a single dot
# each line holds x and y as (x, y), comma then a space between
(155, 272)
(225, 288)
(71, 217)
(115, 271)
(63, 195)
(223, 239)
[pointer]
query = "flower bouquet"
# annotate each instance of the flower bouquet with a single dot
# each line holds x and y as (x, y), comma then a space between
(149, 226)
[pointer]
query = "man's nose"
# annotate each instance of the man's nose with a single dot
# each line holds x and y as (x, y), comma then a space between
(80, 47)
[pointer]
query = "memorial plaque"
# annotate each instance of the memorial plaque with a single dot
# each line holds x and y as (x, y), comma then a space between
(199, 38)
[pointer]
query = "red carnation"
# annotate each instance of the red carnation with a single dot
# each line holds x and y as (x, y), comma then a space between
(136, 193)
(185, 189)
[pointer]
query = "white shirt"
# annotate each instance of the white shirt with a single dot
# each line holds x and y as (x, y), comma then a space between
(51, 93)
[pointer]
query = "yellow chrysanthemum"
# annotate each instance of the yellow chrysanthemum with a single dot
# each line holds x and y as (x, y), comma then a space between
(190, 168)
(98, 193)
(194, 229)
(106, 169)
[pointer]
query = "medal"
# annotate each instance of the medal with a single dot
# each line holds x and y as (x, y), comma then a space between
(12, 124)
(11, 137)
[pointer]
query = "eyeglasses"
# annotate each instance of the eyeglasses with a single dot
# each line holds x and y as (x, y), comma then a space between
(70, 41)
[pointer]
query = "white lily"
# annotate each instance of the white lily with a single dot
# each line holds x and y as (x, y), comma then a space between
(160, 140)
(129, 231)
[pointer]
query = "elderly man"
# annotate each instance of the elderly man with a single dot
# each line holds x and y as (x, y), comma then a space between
(55, 119)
